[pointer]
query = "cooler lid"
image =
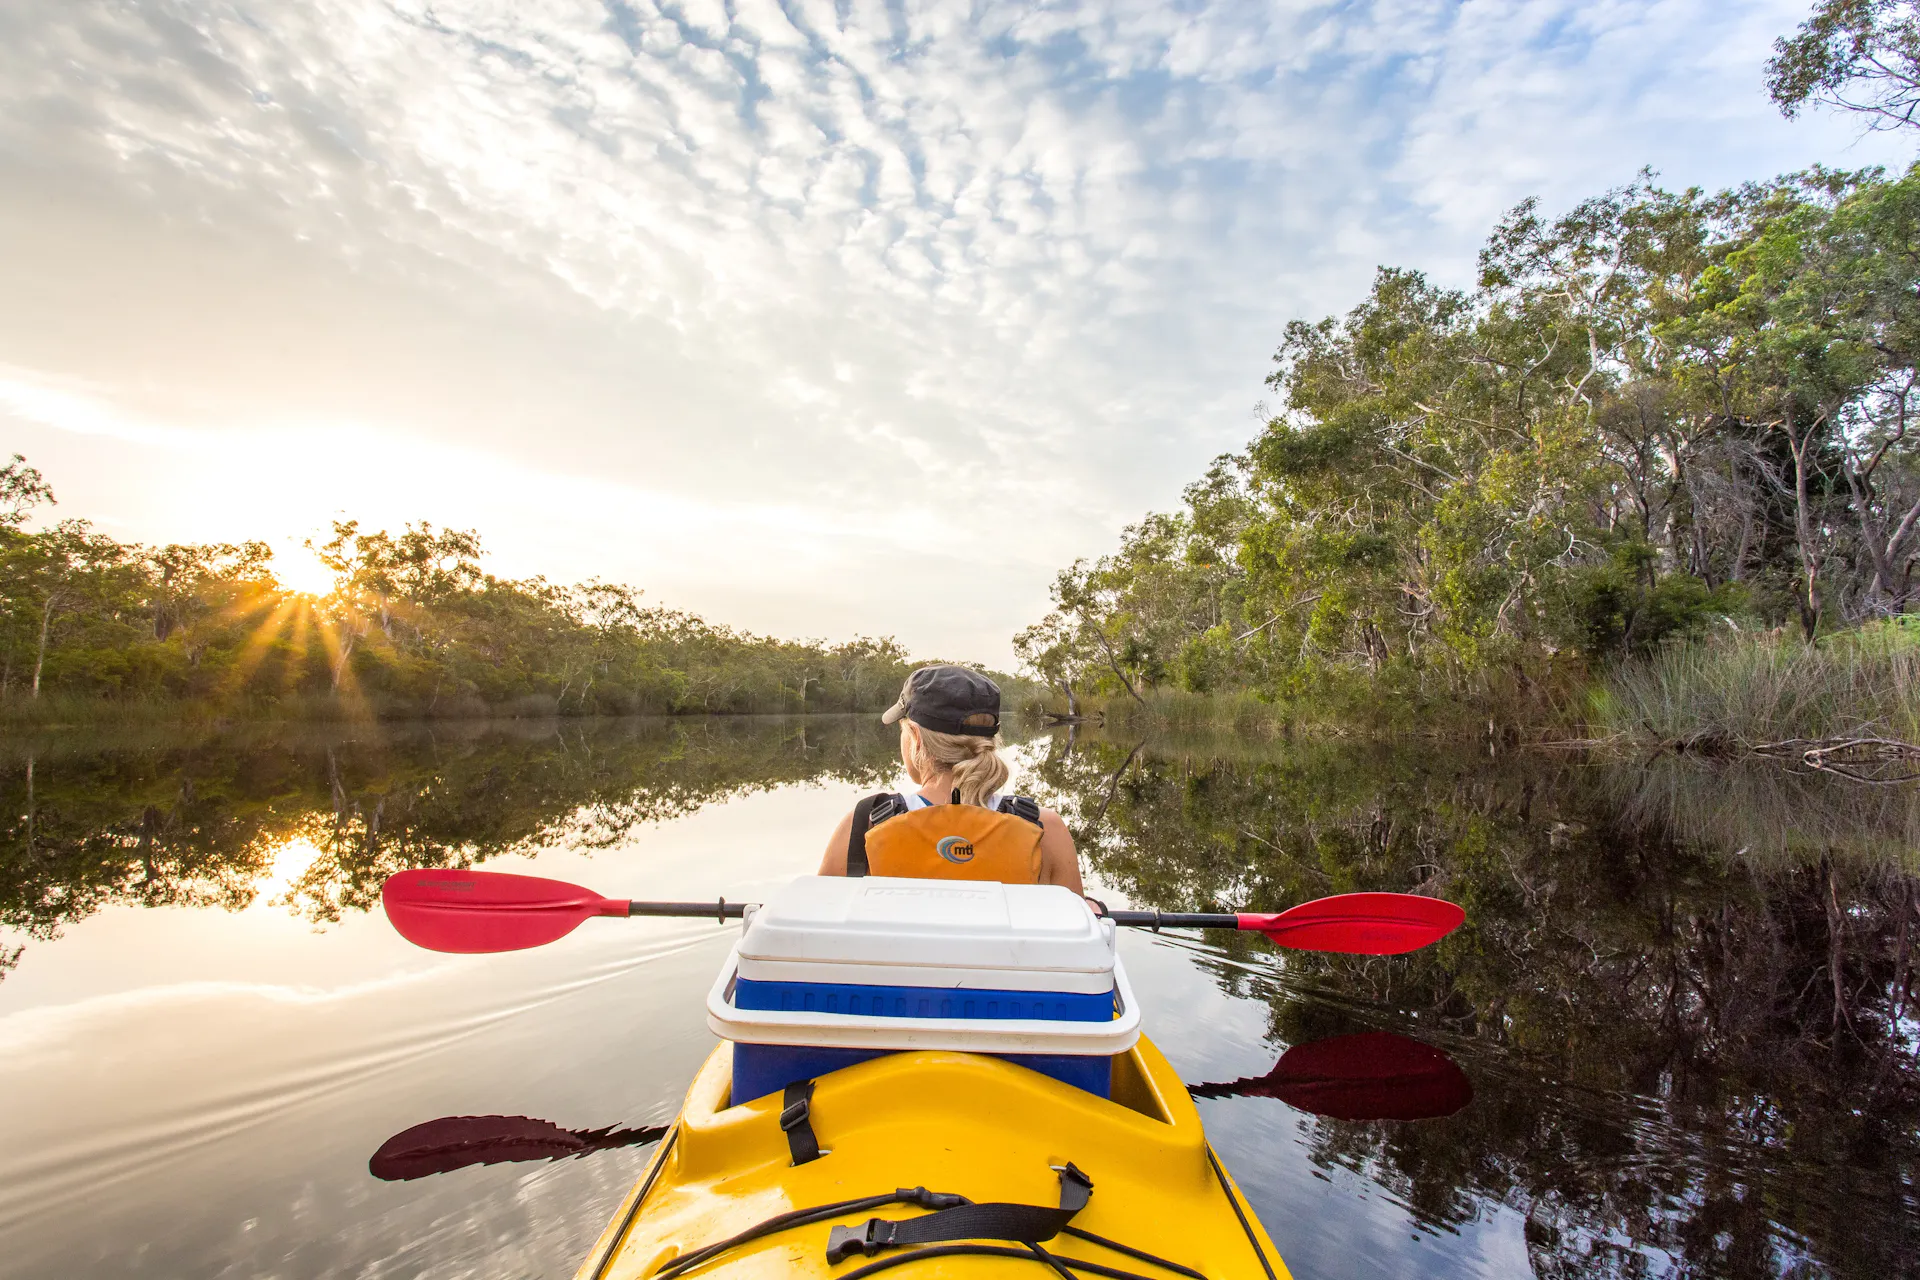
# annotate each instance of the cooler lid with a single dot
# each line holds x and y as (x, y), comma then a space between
(958, 924)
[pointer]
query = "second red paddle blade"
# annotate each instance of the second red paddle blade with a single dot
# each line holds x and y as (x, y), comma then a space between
(480, 911)
(1369, 924)
(1373, 1075)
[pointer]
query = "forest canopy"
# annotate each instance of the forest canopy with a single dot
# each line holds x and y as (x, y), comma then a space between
(413, 625)
(1657, 414)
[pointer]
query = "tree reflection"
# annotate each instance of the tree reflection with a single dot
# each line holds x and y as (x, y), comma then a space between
(83, 825)
(1680, 1043)
(1683, 993)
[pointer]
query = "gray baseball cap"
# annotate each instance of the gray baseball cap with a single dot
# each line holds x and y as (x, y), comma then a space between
(949, 699)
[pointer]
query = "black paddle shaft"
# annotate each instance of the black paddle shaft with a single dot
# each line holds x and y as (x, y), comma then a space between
(1158, 920)
(719, 909)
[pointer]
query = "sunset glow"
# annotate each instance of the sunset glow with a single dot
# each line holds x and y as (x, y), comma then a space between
(298, 569)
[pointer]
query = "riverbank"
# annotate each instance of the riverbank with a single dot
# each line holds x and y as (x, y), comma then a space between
(59, 710)
(1728, 694)
(1742, 691)
(1516, 701)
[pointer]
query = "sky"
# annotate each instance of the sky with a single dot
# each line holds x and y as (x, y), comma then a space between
(819, 319)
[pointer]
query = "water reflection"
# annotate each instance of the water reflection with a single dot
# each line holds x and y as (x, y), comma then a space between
(316, 820)
(1685, 992)
(1369, 1075)
(460, 1142)
(1675, 1037)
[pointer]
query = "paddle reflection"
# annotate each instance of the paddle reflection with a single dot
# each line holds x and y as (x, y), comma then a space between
(1371, 1075)
(454, 1142)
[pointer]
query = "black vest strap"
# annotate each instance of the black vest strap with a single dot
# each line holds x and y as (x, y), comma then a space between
(868, 814)
(1022, 807)
(857, 836)
(1027, 1223)
(796, 1120)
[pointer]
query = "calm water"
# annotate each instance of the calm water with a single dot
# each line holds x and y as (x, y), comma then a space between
(1681, 998)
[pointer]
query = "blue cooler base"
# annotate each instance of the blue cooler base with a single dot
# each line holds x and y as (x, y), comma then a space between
(920, 1002)
(760, 1069)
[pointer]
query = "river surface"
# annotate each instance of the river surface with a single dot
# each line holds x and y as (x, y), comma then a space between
(1683, 998)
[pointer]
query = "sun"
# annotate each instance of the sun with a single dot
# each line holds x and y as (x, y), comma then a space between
(297, 568)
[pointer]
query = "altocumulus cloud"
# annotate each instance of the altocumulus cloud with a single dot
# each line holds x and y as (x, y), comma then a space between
(802, 313)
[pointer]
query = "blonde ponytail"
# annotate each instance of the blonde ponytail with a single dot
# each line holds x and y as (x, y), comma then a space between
(978, 770)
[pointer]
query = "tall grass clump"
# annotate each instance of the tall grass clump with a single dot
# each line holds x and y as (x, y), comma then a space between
(1743, 690)
(1177, 711)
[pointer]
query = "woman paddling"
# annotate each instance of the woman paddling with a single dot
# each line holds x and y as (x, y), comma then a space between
(958, 826)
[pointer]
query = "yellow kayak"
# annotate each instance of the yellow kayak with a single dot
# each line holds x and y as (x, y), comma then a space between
(1121, 1188)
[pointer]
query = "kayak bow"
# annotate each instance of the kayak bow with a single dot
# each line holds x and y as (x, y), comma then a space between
(966, 1125)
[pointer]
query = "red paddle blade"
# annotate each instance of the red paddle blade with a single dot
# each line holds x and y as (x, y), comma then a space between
(476, 911)
(1375, 1075)
(1365, 924)
(441, 1146)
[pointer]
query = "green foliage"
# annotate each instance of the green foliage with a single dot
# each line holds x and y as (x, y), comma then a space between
(1622, 606)
(1857, 55)
(1657, 413)
(21, 490)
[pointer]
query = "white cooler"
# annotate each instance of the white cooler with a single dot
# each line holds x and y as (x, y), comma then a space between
(833, 970)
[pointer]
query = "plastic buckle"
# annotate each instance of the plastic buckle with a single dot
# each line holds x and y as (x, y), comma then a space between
(866, 1240)
(921, 1198)
(795, 1114)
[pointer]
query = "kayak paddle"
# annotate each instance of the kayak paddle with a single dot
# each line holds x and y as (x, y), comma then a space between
(1365, 924)
(454, 1142)
(1372, 1075)
(481, 911)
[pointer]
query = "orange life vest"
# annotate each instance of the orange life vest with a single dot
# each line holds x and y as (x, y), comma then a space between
(946, 841)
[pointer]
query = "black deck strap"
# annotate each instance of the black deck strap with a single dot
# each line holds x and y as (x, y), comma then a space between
(918, 1197)
(912, 1256)
(1022, 807)
(1239, 1213)
(1026, 1223)
(1130, 1251)
(1053, 1263)
(796, 1121)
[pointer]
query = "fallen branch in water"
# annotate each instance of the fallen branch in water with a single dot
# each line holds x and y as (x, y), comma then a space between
(1860, 759)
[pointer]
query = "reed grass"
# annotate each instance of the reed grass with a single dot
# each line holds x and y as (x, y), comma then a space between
(1433, 701)
(1177, 711)
(1745, 689)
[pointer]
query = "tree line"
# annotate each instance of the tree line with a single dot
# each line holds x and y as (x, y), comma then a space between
(1659, 413)
(413, 626)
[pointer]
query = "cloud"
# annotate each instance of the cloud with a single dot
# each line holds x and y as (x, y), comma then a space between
(1020, 265)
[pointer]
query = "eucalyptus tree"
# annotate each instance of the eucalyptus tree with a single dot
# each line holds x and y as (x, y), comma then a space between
(1854, 55)
(1655, 413)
